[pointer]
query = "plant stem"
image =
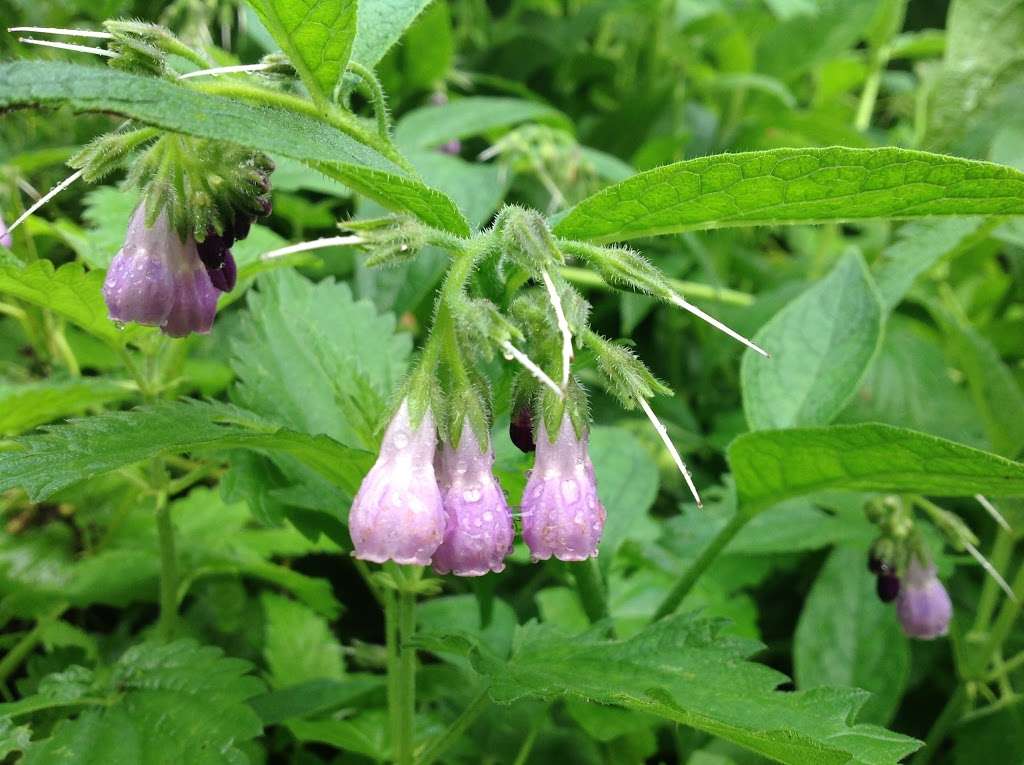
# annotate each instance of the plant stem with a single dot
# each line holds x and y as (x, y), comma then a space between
(695, 290)
(699, 566)
(12, 660)
(168, 570)
(1007, 616)
(391, 643)
(376, 95)
(527, 747)
(406, 684)
(590, 586)
(949, 715)
(439, 745)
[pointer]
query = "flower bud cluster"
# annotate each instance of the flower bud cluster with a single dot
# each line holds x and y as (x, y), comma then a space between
(447, 509)
(923, 606)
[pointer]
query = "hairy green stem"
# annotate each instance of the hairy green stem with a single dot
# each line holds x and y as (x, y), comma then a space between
(168, 570)
(949, 715)
(591, 588)
(406, 684)
(391, 643)
(706, 558)
(376, 94)
(440, 745)
(524, 751)
(587, 278)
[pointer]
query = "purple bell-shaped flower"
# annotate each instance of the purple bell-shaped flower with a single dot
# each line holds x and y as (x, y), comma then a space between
(479, 531)
(397, 513)
(923, 605)
(562, 513)
(158, 279)
(5, 235)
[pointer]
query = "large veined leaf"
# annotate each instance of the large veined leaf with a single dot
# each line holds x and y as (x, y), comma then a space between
(298, 644)
(317, 35)
(684, 670)
(25, 405)
(433, 125)
(184, 110)
(772, 465)
(158, 703)
(65, 454)
(847, 636)
(794, 186)
(381, 23)
(821, 344)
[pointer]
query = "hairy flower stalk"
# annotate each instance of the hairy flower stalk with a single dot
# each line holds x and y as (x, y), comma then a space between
(923, 605)
(479, 533)
(158, 279)
(398, 513)
(561, 512)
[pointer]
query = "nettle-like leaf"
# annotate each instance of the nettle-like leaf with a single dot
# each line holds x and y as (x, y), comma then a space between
(822, 344)
(316, 35)
(380, 25)
(772, 465)
(179, 702)
(683, 669)
(298, 645)
(433, 125)
(185, 110)
(847, 636)
(13, 738)
(65, 454)
(785, 186)
(314, 358)
(68, 291)
(25, 405)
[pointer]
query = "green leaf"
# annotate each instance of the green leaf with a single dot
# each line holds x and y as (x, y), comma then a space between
(772, 465)
(13, 738)
(785, 186)
(316, 35)
(919, 246)
(847, 636)
(683, 669)
(298, 645)
(381, 23)
(313, 697)
(67, 291)
(23, 406)
(821, 343)
(627, 481)
(65, 454)
(367, 733)
(315, 359)
(434, 125)
(159, 703)
(182, 109)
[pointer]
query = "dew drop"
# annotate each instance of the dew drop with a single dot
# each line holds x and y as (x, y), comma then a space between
(570, 490)
(401, 440)
(472, 494)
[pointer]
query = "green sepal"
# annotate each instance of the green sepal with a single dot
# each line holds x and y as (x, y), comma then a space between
(623, 267)
(627, 377)
(527, 240)
(104, 154)
(574, 405)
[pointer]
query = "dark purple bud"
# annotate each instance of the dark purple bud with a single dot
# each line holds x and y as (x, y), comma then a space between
(561, 512)
(213, 248)
(887, 587)
(398, 512)
(266, 206)
(224, 276)
(241, 226)
(5, 235)
(520, 430)
(478, 535)
(923, 605)
(158, 279)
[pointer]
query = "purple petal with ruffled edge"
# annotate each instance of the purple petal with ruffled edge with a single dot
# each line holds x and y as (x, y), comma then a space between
(923, 605)
(479, 533)
(398, 513)
(562, 512)
(195, 305)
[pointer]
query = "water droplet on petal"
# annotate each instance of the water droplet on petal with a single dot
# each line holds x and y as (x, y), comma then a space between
(570, 490)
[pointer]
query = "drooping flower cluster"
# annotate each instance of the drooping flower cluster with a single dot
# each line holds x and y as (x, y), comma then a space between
(922, 603)
(158, 279)
(456, 517)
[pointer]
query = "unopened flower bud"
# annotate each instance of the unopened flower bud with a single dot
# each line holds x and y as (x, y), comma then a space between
(520, 430)
(923, 605)
(398, 513)
(158, 279)
(562, 513)
(478, 535)
(5, 235)
(887, 587)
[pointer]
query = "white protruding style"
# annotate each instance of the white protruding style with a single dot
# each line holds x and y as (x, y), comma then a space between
(991, 570)
(62, 31)
(531, 367)
(993, 511)
(315, 244)
(240, 68)
(47, 197)
(69, 46)
(563, 326)
(663, 433)
(681, 302)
